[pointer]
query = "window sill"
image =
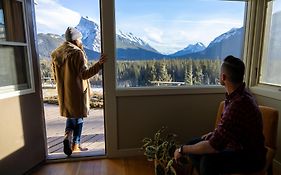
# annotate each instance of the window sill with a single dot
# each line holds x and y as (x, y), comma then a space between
(16, 93)
(154, 91)
(273, 93)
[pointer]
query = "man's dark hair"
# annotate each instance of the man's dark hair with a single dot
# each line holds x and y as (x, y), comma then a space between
(234, 69)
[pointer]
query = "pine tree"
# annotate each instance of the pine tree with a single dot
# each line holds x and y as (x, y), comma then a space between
(163, 73)
(198, 75)
(188, 78)
(153, 72)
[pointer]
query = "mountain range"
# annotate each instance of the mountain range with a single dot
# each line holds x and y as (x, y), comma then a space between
(130, 47)
(191, 48)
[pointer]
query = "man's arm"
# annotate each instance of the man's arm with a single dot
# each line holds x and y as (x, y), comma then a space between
(202, 147)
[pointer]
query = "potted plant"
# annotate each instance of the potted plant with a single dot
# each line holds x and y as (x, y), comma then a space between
(160, 149)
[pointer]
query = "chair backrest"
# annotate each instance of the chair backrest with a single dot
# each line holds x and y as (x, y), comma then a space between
(219, 113)
(270, 124)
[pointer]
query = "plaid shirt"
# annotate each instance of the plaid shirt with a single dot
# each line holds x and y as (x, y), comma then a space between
(240, 127)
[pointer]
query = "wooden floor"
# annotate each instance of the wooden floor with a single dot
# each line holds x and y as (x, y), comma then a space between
(121, 166)
(125, 166)
(92, 133)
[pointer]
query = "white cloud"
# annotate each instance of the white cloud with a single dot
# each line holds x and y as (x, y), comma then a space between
(206, 31)
(51, 17)
(276, 6)
(154, 34)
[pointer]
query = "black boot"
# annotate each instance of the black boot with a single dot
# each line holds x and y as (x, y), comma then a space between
(67, 143)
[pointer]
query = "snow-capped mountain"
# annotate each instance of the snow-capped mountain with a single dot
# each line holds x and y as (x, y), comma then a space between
(91, 34)
(130, 47)
(191, 48)
(232, 32)
(128, 40)
(228, 43)
(91, 37)
(47, 43)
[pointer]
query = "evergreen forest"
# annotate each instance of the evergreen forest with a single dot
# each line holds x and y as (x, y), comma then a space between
(165, 72)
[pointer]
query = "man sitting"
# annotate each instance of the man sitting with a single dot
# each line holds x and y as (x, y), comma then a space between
(237, 143)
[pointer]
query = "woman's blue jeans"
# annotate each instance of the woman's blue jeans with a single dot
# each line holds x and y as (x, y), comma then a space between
(75, 125)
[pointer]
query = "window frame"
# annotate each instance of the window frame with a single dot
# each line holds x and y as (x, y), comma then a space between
(262, 10)
(113, 94)
(9, 91)
(179, 90)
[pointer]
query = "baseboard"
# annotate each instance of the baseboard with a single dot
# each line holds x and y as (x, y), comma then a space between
(276, 167)
(35, 168)
(126, 152)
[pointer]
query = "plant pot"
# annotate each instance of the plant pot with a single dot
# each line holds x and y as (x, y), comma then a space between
(159, 168)
(185, 169)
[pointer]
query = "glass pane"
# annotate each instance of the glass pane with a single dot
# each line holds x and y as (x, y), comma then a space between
(2, 26)
(176, 43)
(271, 63)
(11, 21)
(13, 67)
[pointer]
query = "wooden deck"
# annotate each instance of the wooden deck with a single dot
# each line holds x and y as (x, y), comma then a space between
(92, 133)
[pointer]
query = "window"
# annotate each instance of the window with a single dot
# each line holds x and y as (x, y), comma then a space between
(14, 63)
(176, 43)
(271, 59)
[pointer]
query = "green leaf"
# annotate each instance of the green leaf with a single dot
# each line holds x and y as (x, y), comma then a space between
(161, 148)
(170, 163)
(145, 140)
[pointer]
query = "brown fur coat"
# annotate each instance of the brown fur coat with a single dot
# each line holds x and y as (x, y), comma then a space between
(71, 75)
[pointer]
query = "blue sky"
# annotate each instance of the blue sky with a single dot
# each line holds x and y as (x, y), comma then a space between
(1, 17)
(84, 7)
(167, 25)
